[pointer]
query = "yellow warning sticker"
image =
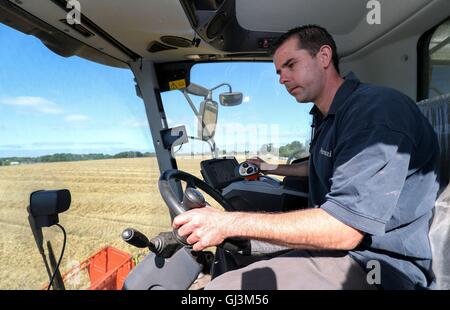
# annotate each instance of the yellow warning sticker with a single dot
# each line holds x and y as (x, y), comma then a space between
(178, 84)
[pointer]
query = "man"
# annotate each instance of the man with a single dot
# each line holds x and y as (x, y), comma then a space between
(372, 174)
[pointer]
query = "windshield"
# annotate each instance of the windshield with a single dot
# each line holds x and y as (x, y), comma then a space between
(77, 125)
(269, 123)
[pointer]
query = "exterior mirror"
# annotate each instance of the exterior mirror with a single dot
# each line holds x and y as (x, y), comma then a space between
(208, 119)
(230, 99)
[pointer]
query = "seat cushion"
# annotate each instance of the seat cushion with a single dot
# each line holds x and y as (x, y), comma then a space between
(440, 240)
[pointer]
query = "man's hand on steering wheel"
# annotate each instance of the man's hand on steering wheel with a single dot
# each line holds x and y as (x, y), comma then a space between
(203, 227)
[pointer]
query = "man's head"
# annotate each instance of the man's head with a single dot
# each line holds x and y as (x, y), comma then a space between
(311, 38)
(306, 59)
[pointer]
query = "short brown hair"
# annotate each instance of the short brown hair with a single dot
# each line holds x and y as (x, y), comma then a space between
(311, 38)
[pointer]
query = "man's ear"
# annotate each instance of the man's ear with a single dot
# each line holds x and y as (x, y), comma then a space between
(325, 56)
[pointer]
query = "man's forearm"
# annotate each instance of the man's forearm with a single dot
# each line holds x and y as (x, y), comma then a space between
(300, 169)
(304, 229)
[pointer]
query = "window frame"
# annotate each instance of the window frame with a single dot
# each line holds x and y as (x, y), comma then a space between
(423, 62)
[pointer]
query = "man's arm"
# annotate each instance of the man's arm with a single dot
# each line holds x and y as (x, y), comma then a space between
(304, 229)
(300, 169)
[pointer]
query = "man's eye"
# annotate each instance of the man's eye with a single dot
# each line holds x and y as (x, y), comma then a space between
(291, 65)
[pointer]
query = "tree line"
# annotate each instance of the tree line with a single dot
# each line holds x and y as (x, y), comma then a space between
(60, 157)
(295, 149)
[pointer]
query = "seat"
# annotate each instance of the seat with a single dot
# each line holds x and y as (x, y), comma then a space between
(436, 110)
(295, 182)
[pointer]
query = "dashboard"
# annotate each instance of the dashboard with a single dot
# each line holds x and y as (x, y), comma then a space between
(263, 194)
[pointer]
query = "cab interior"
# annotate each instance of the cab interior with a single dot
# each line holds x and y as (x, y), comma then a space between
(401, 44)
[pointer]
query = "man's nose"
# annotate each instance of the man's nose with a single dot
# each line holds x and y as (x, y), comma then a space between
(283, 78)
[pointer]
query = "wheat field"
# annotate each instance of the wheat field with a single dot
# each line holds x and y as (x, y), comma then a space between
(107, 197)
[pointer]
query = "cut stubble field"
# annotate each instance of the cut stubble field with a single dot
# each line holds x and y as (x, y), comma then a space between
(107, 197)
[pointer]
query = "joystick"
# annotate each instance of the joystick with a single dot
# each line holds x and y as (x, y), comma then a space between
(248, 171)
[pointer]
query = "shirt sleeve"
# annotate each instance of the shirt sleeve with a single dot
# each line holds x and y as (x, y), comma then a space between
(370, 169)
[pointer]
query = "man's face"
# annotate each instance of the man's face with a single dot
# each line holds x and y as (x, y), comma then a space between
(299, 72)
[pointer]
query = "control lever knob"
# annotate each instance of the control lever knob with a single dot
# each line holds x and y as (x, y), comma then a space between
(192, 199)
(135, 238)
(246, 170)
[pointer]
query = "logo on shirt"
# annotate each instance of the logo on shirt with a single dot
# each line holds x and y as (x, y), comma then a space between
(325, 153)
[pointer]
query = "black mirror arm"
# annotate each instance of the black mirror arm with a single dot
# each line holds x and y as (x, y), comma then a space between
(220, 85)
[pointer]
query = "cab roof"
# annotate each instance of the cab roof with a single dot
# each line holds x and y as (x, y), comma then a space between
(117, 32)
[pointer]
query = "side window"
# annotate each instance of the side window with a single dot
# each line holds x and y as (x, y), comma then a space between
(434, 77)
(68, 123)
(269, 123)
(437, 62)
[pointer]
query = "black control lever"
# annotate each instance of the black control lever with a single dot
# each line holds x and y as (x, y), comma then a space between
(192, 199)
(136, 238)
(164, 245)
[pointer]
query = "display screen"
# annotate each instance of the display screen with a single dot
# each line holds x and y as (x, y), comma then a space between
(219, 173)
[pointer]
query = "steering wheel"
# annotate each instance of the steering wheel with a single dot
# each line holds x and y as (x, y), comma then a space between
(177, 207)
(172, 201)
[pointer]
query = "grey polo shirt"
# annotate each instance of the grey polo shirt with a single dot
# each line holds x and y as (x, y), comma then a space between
(373, 166)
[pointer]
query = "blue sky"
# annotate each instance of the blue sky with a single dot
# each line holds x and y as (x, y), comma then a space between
(50, 104)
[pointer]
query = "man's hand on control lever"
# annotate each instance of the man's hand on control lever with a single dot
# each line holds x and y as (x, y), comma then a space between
(203, 227)
(263, 166)
(300, 169)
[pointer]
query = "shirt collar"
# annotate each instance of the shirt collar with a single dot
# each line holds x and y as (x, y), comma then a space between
(344, 91)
